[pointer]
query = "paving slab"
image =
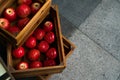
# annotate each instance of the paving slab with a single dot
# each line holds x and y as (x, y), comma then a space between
(103, 26)
(118, 78)
(76, 11)
(89, 61)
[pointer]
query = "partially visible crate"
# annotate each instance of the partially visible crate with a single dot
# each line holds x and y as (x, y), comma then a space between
(4, 72)
(21, 37)
(68, 46)
(61, 62)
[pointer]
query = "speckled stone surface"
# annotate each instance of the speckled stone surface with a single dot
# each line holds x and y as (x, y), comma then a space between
(103, 26)
(76, 11)
(97, 55)
(88, 62)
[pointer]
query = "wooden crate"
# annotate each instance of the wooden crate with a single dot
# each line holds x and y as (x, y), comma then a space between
(61, 62)
(21, 37)
(4, 72)
(68, 50)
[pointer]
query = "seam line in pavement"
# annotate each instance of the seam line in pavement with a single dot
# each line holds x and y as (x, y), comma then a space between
(94, 41)
(98, 44)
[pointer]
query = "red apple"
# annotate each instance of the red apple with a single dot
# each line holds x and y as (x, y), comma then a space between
(49, 62)
(39, 33)
(35, 7)
(50, 37)
(22, 22)
(35, 64)
(28, 2)
(43, 46)
(4, 23)
(33, 55)
(30, 42)
(22, 65)
(18, 52)
(48, 26)
(10, 14)
(23, 10)
(14, 30)
(51, 53)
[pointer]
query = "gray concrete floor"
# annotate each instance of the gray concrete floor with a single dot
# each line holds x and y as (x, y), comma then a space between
(96, 35)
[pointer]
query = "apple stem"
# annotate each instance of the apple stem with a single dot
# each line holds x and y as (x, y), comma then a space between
(9, 11)
(2, 23)
(36, 5)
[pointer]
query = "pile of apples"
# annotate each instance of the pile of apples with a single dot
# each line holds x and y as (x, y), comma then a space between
(42, 42)
(14, 19)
